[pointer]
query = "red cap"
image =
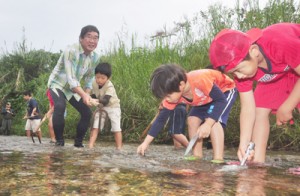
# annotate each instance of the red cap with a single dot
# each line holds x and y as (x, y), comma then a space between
(230, 47)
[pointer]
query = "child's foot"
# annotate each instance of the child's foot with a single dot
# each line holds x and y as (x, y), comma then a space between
(178, 147)
(119, 148)
(192, 158)
(52, 141)
(218, 161)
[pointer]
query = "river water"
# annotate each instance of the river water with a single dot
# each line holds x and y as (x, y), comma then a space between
(28, 168)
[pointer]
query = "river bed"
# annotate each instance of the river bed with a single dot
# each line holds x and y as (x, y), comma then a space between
(29, 168)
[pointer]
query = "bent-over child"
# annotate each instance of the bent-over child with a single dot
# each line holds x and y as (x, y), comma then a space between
(176, 123)
(211, 95)
(268, 58)
(104, 90)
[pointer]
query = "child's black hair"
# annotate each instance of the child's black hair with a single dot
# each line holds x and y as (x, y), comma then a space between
(221, 68)
(103, 68)
(27, 93)
(166, 79)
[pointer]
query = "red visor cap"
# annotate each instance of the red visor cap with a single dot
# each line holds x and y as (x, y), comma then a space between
(230, 47)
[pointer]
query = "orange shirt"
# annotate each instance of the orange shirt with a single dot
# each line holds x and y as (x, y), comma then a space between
(201, 82)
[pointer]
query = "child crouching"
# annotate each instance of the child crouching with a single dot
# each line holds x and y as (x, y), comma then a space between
(211, 94)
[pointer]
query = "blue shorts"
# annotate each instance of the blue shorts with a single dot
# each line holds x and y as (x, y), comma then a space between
(177, 120)
(202, 111)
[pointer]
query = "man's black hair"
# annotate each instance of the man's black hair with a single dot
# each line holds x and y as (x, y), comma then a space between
(166, 79)
(103, 68)
(88, 28)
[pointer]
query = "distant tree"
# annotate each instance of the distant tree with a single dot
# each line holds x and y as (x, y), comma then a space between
(22, 66)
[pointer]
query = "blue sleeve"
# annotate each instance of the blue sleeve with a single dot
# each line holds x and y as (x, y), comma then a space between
(218, 104)
(159, 122)
(33, 103)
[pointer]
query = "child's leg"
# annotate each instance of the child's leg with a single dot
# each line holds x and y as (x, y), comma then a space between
(28, 134)
(180, 140)
(93, 137)
(177, 144)
(35, 124)
(39, 134)
(28, 129)
(217, 140)
(114, 114)
(193, 125)
(51, 130)
(118, 139)
(260, 133)
(177, 123)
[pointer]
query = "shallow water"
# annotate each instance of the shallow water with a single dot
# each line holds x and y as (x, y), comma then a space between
(43, 169)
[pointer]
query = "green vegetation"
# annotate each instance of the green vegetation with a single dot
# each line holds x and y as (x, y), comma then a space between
(187, 44)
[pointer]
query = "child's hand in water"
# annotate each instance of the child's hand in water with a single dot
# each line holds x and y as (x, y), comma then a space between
(142, 148)
(242, 152)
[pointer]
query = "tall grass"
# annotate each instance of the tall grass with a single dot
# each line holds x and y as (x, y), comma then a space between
(132, 67)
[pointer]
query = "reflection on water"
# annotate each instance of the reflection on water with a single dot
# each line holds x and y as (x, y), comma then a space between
(42, 169)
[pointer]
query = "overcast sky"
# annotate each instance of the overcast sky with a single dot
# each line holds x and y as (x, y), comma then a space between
(54, 24)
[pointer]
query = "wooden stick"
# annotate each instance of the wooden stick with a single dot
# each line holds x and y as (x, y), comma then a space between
(149, 126)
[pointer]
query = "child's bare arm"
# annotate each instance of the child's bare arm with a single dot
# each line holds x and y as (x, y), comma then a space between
(205, 129)
(284, 112)
(247, 120)
(33, 112)
(144, 146)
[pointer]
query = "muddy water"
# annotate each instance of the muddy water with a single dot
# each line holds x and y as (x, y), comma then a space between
(43, 169)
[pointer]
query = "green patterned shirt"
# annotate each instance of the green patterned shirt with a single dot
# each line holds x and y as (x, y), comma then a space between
(72, 67)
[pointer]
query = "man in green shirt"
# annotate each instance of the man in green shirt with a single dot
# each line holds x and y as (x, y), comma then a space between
(75, 66)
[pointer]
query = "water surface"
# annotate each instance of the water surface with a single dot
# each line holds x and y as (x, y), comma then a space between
(43, 169)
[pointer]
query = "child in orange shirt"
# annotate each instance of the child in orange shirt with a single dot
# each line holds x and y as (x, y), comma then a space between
(211, 94)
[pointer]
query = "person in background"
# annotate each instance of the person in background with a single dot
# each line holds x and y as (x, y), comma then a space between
(269, 59)
(32, 115)
(211, 94)
(105, 95)
(7, 116)
(74, 68)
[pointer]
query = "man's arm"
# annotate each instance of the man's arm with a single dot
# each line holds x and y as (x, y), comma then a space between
(85, 97)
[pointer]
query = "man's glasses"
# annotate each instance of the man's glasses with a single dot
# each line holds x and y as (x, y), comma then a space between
(89, 37)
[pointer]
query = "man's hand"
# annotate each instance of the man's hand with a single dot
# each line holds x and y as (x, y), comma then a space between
(94, 102)
(87, 99)
(142, 148)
